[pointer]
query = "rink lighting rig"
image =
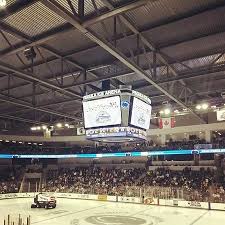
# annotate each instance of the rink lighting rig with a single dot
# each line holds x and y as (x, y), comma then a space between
(117, 154)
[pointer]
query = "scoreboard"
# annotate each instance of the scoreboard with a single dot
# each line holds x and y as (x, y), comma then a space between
(120, 109)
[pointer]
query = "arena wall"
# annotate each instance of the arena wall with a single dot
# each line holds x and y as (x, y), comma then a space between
(124, 199)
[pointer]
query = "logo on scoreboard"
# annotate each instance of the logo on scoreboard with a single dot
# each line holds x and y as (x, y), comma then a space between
(141, 120)
(103, 117)
(125, 104)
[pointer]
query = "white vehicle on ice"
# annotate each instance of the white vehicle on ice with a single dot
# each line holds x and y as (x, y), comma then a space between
(44, 200)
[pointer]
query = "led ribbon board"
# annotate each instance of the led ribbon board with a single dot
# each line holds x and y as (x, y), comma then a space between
(117, 154)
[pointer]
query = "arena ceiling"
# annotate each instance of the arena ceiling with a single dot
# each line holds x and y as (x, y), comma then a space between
(170, 50)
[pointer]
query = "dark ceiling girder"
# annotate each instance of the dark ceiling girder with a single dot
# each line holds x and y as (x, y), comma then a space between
(81, 8)
(89, 22)
(11, 100)
(95, 79)
(151, 46)
(23, 37)
(51, 59)
(56, 32)
(184, 75)
(195, 74)
(116, 12)
(104, 16)
(18, 119)
(58, 9)
(31, 77)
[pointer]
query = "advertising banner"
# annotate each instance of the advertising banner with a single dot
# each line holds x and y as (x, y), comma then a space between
(102, 197)
(150, 201)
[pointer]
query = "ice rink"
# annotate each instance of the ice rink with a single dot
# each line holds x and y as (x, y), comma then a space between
(86, 212)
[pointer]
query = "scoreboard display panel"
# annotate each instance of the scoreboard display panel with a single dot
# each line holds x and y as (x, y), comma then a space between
(140, 114)
(102, 112)
(116, 115)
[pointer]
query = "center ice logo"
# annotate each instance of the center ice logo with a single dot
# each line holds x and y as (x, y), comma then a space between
(115, 220)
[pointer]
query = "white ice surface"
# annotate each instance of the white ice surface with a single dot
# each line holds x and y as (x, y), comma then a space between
(85, 212)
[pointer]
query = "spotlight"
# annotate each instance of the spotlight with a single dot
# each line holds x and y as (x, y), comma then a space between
(2, 3)
(13, 141)
(67, 125)
(176, 111)
(20, 142)
(7, 141)
(44, 127)
(29, 53)
(38, 128)
(198, 107)
(59, 125)
(29, 143)
(205, 106)
(167, 111)
(33, 128)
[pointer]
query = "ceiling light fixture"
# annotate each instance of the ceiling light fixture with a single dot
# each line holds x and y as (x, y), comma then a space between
(38, 128)
(167, 111)
(44, 127)
(205, 106)
(59, 125)
(2, 3)
(198, 107)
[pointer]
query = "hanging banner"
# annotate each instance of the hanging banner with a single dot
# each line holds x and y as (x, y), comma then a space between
(220, 115)
(47, 133)
(166, 123)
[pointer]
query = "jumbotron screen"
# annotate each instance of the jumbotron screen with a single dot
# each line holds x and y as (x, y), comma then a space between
(141, 114)
(102, 112)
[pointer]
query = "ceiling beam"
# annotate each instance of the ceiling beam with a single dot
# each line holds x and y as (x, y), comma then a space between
(52, 51)
(147, 43)
(16, 118)
(61, 30)
(31, 77)
(11, 100)
(58, 9)
(74, 52)
(185, 75)
(116, 11)
(182, 75)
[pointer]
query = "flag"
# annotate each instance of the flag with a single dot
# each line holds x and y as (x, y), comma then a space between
(220, 115)
(165, 123)
(47, 133)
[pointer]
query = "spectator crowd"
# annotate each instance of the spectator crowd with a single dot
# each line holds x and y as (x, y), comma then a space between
(161, 182)
(8, 183)
(199, 185)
